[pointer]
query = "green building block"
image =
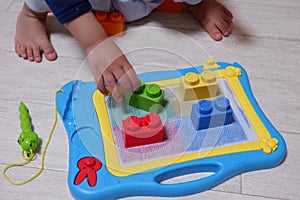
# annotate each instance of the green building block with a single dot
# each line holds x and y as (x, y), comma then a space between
(149, 97)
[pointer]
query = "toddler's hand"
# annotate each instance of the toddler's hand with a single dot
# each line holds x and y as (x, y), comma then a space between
(110, 65)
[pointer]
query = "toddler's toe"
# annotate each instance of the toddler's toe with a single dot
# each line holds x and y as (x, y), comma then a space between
(217, 36)
(228, 14)
(49, 51)
(213, 31)
(23, 52)
(37, 55)
(30, 54)
(224, 27)
(17, 49)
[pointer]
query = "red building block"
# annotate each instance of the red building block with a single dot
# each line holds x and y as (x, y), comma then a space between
(112, 23)
(143, 130)
(170, 6)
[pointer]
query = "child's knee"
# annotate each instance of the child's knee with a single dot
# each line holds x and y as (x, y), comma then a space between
(134, 10)
(39, 6)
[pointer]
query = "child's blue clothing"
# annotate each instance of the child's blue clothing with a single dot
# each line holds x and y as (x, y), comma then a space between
(66, 10)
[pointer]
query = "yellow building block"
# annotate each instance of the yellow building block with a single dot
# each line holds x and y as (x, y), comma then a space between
(198, 86)
(210, 63)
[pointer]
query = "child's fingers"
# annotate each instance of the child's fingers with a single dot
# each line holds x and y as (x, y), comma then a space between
(112, 86)
(123, 79)
(101, 86)
(131, 75)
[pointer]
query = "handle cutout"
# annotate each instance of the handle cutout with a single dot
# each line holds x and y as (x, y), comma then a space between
(187, 174)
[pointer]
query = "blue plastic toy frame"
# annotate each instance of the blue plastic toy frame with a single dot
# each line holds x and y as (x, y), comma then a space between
(149, 183)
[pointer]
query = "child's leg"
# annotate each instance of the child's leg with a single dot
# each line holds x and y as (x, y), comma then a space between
(215, 19)
(31, 39)
(135, 10)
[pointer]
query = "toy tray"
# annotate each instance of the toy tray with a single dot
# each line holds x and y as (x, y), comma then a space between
(100, 167)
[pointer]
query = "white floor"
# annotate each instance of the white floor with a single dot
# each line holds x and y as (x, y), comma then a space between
(265, 41)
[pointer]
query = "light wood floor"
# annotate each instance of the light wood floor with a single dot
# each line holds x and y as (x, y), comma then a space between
(265, 41)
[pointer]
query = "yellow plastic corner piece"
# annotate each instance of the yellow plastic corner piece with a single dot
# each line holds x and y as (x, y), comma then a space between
(210, 64)
(198, 86)
(232, 71)
(268, 145)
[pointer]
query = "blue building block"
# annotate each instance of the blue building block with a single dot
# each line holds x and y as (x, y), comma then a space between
(207, 114)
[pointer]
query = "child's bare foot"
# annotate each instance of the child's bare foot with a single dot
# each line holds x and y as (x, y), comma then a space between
(31, 39)
(215, 19)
